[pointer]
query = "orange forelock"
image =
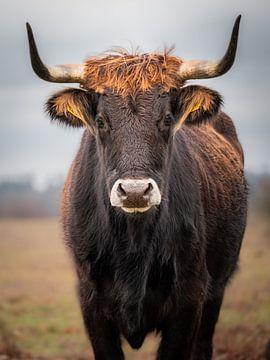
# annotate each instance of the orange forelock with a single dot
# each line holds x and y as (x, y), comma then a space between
(126, 73)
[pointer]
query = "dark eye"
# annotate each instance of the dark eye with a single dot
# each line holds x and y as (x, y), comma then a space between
(165, 123)
(168, 120)
(100, 122)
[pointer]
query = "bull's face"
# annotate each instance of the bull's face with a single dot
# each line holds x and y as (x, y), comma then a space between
(134, 105)
(134, 146)
(134, 135)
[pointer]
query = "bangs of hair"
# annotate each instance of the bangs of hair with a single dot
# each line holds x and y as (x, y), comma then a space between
(126, 73)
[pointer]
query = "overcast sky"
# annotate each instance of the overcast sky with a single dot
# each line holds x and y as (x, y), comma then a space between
(67, 31)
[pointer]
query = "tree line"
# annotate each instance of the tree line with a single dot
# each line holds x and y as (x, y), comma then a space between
(20, 198)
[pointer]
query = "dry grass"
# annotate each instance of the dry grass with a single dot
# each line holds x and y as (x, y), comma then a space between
(39, 314)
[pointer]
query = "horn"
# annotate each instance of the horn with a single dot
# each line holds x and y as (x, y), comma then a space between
(199, 69)
(70, 73)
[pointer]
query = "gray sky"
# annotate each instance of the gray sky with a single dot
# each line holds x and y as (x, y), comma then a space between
(68, 31)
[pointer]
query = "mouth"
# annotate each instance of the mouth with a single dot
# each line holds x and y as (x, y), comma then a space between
(135, 195)
(136, 210)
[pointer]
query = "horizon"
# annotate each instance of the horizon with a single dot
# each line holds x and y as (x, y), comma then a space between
(42, 184)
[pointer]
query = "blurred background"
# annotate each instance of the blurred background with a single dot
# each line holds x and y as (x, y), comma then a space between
(39, 314)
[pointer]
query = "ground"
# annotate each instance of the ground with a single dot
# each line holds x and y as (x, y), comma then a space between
(39, 312)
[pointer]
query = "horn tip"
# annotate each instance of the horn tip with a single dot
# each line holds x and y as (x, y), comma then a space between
(29, 30)
(238, 19)
(236, 26)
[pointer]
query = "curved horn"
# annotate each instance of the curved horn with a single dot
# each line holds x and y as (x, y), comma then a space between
(198, 69)
(70, 73)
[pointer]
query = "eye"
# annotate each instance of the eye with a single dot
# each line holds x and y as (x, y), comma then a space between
(165, 123)
(168, 120)
(100, 122)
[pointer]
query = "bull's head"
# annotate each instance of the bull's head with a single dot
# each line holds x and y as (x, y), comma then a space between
(134, 105)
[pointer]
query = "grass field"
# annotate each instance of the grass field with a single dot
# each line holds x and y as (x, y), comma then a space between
(39, 313)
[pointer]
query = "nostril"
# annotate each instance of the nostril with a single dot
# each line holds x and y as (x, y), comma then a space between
(135, 193)
(121, 192)
(148, 189)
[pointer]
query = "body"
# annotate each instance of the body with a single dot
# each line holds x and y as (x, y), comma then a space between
(154, 206)
(137, 271)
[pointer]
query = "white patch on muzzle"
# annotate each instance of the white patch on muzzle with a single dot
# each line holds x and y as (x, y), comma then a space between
(153, 197)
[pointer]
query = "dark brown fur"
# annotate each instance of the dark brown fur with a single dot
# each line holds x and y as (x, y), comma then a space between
(164, 270)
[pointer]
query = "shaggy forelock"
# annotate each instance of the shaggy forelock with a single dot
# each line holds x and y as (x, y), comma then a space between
(126, 73)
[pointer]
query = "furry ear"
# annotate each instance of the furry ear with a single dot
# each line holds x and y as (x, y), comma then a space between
(72, 107)
(196, 105)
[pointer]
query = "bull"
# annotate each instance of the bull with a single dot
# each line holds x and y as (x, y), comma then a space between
(154, 205)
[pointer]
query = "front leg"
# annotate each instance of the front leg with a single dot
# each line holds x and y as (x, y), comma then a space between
(104, 336)
(210, 315)
(179, 334)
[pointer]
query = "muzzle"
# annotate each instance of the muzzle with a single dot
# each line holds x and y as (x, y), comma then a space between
(135, 195)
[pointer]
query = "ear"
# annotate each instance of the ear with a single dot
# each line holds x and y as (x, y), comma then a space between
(196, 105)
(72, 107)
